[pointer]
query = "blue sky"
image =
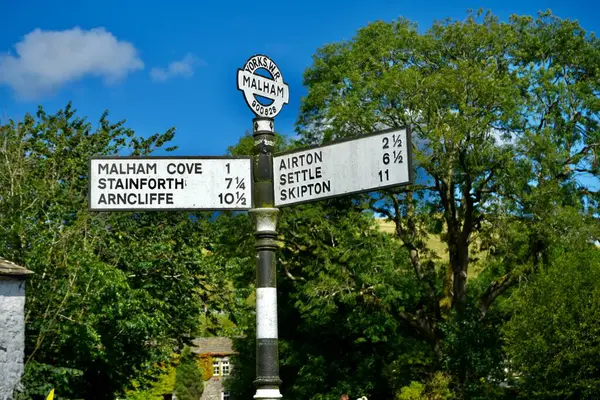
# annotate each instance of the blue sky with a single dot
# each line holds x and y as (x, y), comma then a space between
(161, 64)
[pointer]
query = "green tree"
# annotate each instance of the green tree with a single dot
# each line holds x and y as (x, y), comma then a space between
(436, 389)
(162, 383)
(189, 383)
(552, 337)
(114, 294)
(505, 119)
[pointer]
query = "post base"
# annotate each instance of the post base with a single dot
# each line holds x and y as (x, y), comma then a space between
(268, 394)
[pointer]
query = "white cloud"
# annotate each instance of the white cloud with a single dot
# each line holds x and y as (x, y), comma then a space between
(47, 60)
(184, 67)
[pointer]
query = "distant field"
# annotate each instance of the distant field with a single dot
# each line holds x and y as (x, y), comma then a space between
(435, 243)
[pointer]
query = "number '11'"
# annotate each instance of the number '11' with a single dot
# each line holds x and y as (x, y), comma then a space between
(384, 175)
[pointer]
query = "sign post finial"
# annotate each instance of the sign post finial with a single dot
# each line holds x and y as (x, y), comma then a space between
(264, 90)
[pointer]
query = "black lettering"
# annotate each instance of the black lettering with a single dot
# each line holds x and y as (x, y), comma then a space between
(282, 180)
(102, 183)
(169, 198)
(279, 90)
(102, 168)
(169, 168)
(282, 196)
(111, 198)
(282, 164)
(193, 168)
(319, 156)
(102, 199)
(318, 172)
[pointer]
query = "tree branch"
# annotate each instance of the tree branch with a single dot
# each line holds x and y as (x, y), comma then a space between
(582, 152)
(494, 290)
(420, 324)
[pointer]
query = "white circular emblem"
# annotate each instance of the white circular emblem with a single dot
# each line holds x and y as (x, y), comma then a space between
(269, 85)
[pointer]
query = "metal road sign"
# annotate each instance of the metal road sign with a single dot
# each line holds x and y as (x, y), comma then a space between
(170, 183)
(270, 85)
(362, 164)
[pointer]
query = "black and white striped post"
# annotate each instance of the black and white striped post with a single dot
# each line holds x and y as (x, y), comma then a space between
(265, 217)
(260, 78)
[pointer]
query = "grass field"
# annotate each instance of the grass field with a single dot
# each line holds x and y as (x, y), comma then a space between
(435, 243)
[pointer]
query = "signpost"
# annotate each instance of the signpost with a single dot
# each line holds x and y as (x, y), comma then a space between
(265, 93)
(170, 183)
(262, 181)
(364, 164)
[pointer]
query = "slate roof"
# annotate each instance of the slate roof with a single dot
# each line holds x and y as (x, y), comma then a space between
(9, 268)
(213, 345)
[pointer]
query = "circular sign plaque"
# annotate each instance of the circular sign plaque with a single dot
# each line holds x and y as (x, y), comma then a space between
(269, 85)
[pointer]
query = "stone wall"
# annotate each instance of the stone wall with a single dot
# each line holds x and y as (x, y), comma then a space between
(12, 334)
(212, 389)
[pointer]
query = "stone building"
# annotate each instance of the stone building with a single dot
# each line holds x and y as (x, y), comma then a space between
(12, 326)
(220, 349)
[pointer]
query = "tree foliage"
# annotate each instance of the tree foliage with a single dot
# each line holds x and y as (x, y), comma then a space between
(505, 121)
(113, 293)
(189, 383)
(552, 338)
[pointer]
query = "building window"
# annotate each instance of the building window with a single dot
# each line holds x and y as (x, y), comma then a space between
(225, 367)
(221, 367)
(225, 396)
